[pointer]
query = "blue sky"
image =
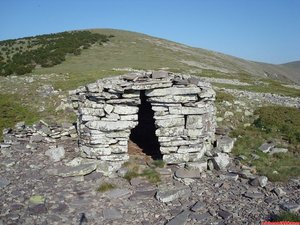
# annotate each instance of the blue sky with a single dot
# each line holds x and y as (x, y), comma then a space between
(259, 30)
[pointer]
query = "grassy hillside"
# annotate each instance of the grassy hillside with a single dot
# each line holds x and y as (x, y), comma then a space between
(139, 51)
(21, 56)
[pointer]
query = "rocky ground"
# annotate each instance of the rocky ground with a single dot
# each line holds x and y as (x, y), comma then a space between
(43, 180)
(41, 183)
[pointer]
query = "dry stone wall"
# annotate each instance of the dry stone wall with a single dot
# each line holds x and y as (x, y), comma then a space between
(184, 115)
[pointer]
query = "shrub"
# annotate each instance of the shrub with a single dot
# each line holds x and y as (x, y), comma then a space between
(105, 187)
(151, 175)
(12, 112)
(279, 119)
(49, 50)
(287, 216)
(223, 96)
(158, 163)
(131, 174)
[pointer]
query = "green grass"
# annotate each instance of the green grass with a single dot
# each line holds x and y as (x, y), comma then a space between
(158, 163)
(73, 81)
(125, 50)
(151, 175)
(285, 120)
(223, 96)
(287, 216)
(249, 139)
(12, 111)
(214, 74)
(247, 144)
(131, 174)
(106, 187)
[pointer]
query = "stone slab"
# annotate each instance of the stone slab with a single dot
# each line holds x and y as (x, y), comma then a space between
(173, 91)
(111, 125)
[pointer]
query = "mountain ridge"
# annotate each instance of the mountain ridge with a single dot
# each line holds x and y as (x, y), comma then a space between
(142, 51)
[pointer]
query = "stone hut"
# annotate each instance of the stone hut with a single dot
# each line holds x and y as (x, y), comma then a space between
(169, 116)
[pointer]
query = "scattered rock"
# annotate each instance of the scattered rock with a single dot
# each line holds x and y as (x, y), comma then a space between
(290, 207)
(228, 114)
(266, 147)
(136, 181)
(118, 193)
(112, 214)
(210, 165)
(36, 138)
(72, 171)
(200, 217)
(221, 161)
(254, 195)
(246, 174)
(259, 181)
(279, 192)
(170, 193)
(37, 209)
(180, 219)
(225, 214)
(278, 150)
(185, 173)
(4, 182)
(159, 74)
(229, 176)
(200, 166)
(56, 154)
(225, 144)
(198, 206)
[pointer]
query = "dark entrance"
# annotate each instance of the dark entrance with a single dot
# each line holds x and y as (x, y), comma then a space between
(144, 133)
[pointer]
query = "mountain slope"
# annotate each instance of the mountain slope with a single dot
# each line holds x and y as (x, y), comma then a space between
(134, 50)
(295, 66)
(131, 50)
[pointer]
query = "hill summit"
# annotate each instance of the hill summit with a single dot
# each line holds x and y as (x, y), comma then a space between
(92, 50)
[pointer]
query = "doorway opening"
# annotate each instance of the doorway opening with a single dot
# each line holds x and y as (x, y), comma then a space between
(143, 135)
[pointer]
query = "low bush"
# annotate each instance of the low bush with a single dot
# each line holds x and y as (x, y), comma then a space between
(106, 187)
(11, 112)
(282, 120)
(46, 50)
(223, 96)
(286, 216)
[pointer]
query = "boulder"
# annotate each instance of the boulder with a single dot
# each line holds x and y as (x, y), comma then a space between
(112, 214)
(4, 182)
(185, 173)
(198, 206)
(259, 181)
(180, 219)
(55, 154)
(266, 147)
(225, 144)
(201, 166)
(278, 150)
(221, 161)
(170, 193)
